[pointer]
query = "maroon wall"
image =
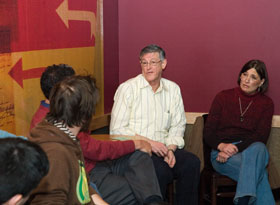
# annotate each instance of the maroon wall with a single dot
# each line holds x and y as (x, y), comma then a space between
(111, 52)
(207, 43)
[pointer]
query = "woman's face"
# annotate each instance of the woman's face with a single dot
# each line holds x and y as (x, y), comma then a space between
(250, 81)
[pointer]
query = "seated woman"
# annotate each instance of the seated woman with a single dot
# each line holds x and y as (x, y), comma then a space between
(237, 129)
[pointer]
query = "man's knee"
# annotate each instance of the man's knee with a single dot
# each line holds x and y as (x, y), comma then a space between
(190, 161)
(139, 157)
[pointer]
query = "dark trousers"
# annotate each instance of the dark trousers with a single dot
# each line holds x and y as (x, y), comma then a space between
(186, 172)
(130, 179)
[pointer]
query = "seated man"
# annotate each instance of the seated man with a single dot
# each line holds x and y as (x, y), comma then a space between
(152, 107)
(23, 165)
(134, 188)
(72, 103)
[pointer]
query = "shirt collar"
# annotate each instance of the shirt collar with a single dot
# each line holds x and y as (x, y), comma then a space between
(44, 104)
(144, 83)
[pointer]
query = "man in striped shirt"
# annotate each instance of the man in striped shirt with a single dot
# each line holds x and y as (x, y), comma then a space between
(151, 107)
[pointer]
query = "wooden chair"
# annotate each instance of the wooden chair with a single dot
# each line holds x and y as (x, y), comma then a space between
(220, 185)
(100, 124)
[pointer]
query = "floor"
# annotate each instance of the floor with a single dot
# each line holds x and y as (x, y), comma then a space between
(228, 201)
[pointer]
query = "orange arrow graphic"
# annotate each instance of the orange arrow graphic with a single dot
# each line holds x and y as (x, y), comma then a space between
(19, 75)
(66, 15)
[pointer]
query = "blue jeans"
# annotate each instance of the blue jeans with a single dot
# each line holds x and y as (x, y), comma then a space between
(248, 168)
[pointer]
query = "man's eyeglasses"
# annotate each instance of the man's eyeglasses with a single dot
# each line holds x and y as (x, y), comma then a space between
(151, 63)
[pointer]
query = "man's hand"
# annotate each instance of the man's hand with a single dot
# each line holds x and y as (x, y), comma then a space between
(228, 148)
(222, 157)
(170, 159)
(159, 148)
(143, 146)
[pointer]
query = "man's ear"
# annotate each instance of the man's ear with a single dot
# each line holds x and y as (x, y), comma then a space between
(163, 64)
(15, 200)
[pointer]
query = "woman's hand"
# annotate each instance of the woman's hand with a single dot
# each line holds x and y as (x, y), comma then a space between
(228, 148)
(222, 157)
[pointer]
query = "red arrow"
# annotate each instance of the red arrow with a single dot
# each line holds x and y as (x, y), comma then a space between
(19, 75)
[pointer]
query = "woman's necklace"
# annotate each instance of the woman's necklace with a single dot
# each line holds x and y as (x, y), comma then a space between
(242, 113)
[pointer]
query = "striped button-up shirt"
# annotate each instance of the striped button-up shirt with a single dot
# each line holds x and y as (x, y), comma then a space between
(159, 115)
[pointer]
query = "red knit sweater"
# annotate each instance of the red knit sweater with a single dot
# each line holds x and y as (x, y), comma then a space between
(223, 123)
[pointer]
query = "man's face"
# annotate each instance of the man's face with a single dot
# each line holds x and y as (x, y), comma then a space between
(152, 67)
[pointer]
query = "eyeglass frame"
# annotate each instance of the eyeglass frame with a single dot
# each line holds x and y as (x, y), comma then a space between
(151, 63)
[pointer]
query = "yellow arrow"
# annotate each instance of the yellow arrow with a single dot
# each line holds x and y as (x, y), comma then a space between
(66, 15)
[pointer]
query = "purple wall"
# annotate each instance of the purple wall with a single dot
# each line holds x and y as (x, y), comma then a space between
(111, 52)
(207, 43)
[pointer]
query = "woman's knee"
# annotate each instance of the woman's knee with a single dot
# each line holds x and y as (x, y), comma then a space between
(257, 147)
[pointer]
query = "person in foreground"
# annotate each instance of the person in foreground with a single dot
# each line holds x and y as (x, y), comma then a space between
(151, 107)
(237, 129)
(72, 104)
(5, 134)
(130, 163)
(23, 165)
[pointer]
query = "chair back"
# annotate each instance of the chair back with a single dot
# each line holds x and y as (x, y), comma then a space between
(206, 150)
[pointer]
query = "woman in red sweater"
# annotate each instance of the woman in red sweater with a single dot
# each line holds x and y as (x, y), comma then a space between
(237, 130)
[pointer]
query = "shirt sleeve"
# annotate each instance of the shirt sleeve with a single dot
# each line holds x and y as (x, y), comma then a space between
(178, 121)
(120, 114)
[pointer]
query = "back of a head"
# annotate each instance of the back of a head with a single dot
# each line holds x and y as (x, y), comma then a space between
(73, 101)
(54, 74)
(23, 165)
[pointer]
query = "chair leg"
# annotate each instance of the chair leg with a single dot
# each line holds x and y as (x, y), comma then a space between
(202, 189)
(213, 192)
(170, 193)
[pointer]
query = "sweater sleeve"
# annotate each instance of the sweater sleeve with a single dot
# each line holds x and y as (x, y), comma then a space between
(98, 150)
(211, 125)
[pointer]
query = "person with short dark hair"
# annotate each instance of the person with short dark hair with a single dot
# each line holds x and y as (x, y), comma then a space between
(23, 165)
(237, 129)
(52, 75)
(72, 104)
(152, 107)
